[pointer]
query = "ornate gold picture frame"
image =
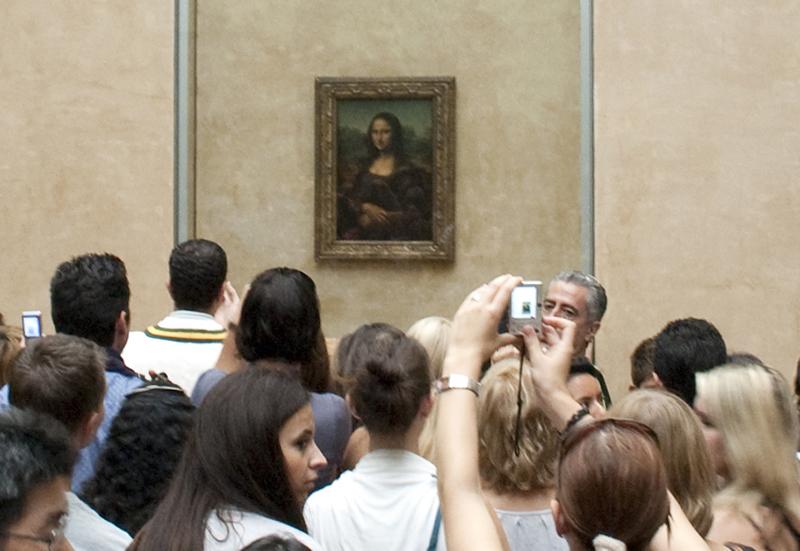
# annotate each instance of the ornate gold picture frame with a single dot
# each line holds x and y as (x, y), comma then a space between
(385, 168)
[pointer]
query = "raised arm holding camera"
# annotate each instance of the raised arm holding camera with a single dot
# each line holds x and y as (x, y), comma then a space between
(612, 489)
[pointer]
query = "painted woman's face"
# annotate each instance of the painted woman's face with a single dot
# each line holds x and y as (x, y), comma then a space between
(381, 134)
(301, 455)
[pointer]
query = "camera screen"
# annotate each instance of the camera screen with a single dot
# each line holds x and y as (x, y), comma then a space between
(31, 326)
(523, 302)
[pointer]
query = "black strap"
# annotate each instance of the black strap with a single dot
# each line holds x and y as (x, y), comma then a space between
(437, 523)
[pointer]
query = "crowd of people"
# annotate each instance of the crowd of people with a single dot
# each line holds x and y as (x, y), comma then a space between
(235, 424)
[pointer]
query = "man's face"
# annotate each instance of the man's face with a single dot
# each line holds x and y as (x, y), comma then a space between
(43, 516)
(568, 301)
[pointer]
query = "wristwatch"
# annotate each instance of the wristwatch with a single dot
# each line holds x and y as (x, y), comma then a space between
(454, 381)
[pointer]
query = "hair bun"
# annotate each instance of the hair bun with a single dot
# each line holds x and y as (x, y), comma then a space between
(382, 373)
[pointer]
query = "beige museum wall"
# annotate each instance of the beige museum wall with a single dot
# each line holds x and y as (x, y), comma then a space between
(85, 144)
(696, 173)
(517, 173)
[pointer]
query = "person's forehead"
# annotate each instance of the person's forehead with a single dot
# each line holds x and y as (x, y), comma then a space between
(567, 292)
(584, 384)
(45, 504)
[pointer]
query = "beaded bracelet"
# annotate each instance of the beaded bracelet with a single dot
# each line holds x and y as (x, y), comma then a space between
(576, 417)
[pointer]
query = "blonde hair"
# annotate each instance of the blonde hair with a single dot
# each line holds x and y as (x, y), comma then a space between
(690, 474)
(752, 407)
(500, 468)
(433, 333)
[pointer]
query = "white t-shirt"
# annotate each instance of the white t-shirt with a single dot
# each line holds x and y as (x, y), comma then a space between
(184, 345)
(388, 502)
(241, 529)
(88, 531)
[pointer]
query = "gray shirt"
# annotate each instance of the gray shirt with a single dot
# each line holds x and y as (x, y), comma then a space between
(531, 530)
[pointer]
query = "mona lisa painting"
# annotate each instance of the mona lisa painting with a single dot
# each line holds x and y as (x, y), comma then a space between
(384, 178)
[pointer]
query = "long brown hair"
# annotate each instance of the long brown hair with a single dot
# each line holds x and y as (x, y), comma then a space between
(233, 459)
(612, 481)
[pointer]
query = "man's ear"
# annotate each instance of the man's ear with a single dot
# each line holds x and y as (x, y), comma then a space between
(657, 382)
(121, 329)
(593, 329)
(88, 429)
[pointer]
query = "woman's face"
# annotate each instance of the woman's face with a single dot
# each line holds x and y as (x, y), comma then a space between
(714, 439)
(381, 134)
(301, 455)
(586, 390)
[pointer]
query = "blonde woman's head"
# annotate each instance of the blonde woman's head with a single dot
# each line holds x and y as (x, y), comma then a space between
(750, 420)
(433, 333)
(690, 474)
(500, 468)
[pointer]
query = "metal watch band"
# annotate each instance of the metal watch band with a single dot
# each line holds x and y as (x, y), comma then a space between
(456, 381)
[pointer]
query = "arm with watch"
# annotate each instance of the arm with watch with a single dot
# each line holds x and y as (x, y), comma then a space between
(469, 521)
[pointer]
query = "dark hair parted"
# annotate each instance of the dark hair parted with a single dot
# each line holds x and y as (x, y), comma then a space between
(87, 295)
(61, 376)
(612, 481)
(197, 271)
(232, 459)
(280, 320)
(389, 378)
(34, 450)
(683, 348)
(398, 142)
(140, 455)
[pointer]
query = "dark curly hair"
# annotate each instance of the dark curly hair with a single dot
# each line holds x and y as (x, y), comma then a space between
(141, 453)
(197, 271)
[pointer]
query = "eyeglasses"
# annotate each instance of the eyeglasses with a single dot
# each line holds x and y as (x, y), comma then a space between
(54, 536)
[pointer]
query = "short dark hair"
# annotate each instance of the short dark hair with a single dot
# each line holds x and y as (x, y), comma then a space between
(34, 450)
(642, 361)
(87, 294)
(280, 320)
(197, 271)
(683, 348)
(390, 377)
(61, 376)
(596, 298)
(140, 455)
